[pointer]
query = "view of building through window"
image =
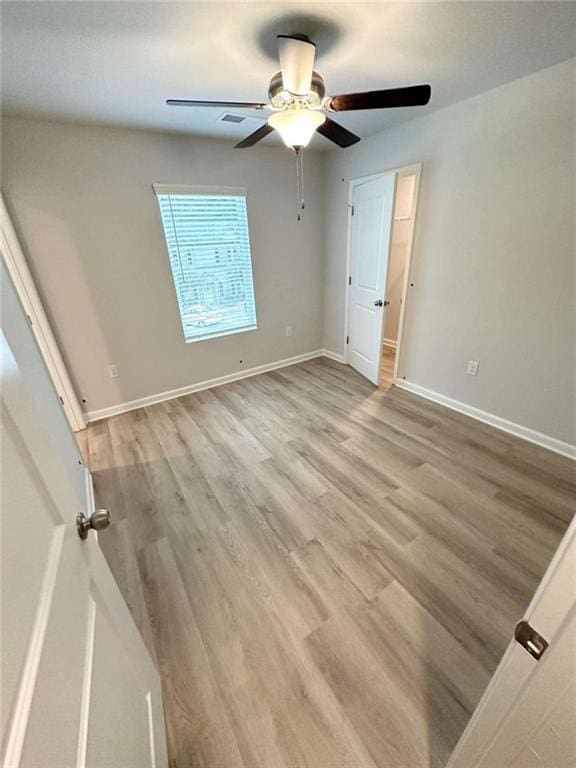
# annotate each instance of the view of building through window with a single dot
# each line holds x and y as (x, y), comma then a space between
(209, 248)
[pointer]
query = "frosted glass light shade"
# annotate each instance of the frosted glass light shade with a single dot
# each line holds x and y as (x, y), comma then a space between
(296, 126)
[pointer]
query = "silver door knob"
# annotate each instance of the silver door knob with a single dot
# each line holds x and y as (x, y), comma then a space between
(97, 521)
(379, 303)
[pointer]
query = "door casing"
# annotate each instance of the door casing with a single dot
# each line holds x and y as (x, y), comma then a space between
(19, 271)
(406, 170)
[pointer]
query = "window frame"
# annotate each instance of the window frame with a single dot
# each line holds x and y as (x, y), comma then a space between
(205, 191)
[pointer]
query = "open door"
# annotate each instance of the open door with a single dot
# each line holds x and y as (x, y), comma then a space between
(371, 225)
(527, 715)
(78, 686)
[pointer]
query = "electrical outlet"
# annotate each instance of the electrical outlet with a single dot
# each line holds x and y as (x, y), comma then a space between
(472, 367)
(113, 371)
(288, 330)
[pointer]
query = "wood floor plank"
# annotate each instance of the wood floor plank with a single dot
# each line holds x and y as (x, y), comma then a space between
(269, 685)
(326, 572)
(349, 536)
(199, 728)
(421, 682)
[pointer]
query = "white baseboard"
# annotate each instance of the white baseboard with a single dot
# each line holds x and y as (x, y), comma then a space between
(546, 441)
(132, 405)
(334, 356)
(392, 343)
(539, 438)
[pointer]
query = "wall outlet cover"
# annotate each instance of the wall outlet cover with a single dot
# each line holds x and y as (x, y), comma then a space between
(113, 371)
(472, 367)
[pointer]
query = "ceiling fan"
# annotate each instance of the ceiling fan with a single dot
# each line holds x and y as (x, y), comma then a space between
(299, 105)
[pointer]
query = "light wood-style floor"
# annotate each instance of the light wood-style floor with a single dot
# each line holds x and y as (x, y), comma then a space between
(387, 367)
(327, 573)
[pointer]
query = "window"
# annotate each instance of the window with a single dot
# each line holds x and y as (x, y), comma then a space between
(206, 231)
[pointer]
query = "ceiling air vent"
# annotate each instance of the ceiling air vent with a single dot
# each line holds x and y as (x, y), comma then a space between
(228, 117)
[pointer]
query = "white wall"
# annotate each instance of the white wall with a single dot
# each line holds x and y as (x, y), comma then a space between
(494, 250)
(82, 203)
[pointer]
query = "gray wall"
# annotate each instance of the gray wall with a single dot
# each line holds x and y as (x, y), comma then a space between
(493, 265)
(82, 203)
(494, 251)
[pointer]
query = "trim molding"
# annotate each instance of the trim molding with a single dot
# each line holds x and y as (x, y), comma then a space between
(334, 356)
(151, 729)
(132, 405)
(82, 748)
(90, 501)
(19, 272)
(24, 696)
(531, 435)
(194, 189)
(392, 343)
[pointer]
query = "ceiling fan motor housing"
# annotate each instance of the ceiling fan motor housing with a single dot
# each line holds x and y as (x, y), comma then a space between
(281, 98)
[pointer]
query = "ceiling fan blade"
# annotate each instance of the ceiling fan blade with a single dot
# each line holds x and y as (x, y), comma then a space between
(411, 96)
(227, 104)
(255, 137)
(337, 133)
(297, 56)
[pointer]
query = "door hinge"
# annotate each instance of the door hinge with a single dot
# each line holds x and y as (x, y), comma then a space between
(29, 319)
(351, 210)
(350, 280)
(61, 399)
(347, 339)
(529, 639)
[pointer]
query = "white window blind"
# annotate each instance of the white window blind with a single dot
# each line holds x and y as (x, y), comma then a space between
(208, 245)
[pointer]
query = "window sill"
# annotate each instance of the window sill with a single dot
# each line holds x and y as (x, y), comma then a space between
(221, 334)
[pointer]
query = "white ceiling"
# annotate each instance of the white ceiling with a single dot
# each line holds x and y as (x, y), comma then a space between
(117, 62)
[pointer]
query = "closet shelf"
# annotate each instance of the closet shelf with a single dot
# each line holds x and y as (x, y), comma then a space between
(402, 218)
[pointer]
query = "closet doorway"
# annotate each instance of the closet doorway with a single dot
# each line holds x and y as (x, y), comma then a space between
(405, 200)
(381, 228)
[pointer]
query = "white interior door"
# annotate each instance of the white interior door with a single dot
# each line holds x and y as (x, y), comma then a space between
(78, 686)
(527, 717)
(371, 227)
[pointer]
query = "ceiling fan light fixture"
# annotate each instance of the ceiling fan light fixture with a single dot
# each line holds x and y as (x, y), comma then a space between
(296, 126)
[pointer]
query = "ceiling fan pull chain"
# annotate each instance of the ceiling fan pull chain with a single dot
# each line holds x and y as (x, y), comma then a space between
(297, 152)
(299, 182)
(302, 179)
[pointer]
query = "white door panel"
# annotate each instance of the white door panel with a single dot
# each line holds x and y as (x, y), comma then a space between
(371, 225)
(59, 678)
(21, 492)
(540, 731)
(115, 689)
(363, 339)
(555, 738)
(78, 686)
(368, 211)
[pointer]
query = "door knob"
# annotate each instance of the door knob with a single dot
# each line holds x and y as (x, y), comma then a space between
(379, 303)
(97, 521)
(386, 302)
